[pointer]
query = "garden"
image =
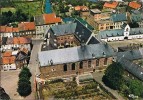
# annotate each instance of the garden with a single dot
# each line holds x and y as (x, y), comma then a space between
(70, 90)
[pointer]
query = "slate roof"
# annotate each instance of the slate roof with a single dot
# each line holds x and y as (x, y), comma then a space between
(119, 17)
(82, 32)
(135, 31)
(136, 17)
(126, 58)
(118, 32)
(110, 33)
(93, 40)
(61, 56)
(64, 29)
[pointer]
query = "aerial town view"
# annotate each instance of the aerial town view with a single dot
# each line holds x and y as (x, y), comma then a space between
(71, 49)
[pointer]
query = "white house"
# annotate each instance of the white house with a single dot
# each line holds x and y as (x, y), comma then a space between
(121, 34)
(6, 31)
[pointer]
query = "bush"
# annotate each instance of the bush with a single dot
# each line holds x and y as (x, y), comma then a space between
(24, 89)
(24, 85)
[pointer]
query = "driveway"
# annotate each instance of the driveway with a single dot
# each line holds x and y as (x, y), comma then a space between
(98, 77)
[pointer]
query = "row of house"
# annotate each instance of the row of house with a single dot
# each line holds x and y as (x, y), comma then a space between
(34, 29)
(121, 34)
(24, 29)
(110, 18)
(15, 52)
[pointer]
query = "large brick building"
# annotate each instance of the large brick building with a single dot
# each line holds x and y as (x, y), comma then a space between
(73, 61)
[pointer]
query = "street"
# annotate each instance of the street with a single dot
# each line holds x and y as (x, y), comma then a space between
(33, 66)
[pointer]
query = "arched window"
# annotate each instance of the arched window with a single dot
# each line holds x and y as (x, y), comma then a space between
(89, 63)
(97, 62)
(73, 66)
(65, 67)
(81, 65)
(105, 61)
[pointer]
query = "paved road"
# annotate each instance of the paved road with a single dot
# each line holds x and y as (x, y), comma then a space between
(98, 77)
(33, 66)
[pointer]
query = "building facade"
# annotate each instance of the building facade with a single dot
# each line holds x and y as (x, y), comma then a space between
(73, 61)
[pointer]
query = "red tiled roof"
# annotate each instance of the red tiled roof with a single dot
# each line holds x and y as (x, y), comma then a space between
(83, 8)
(8, 60)
(134, 5)
(21, 40)
(51, 18)
(8, 29)
(25, 26)
(15, 30)
(2, 28)
(111, 5)
(7, 54)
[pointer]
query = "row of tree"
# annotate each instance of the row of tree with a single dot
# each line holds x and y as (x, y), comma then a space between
(24, 84)
(115, 79)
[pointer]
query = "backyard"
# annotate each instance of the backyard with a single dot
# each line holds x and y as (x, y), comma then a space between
(70, 90)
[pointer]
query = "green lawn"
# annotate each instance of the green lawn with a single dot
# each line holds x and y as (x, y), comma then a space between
(8, 9)
(34, 8)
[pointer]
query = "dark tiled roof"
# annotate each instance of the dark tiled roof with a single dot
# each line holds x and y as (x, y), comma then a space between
(60, 56)
(82, 32)
(64, 29)
(119, 17)
(93, 40)
(126, 58)
(110, 33)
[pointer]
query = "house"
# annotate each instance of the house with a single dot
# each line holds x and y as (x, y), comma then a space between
(12, 60)
(108, 5)
(106, 21)
(6, 31)
(134, 5)
(69, 35)
(22, 58)
(126, 60)
(26, 29)
(121, 34)
(8, 61)
(82, 59)
(138, 18)
(45, 21)
(84, 11)
(94, 13)
(16, 43)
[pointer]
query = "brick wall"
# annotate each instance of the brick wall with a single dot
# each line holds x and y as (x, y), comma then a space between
(57, 70)
(67, 38)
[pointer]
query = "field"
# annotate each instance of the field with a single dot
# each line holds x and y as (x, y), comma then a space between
(33, 8)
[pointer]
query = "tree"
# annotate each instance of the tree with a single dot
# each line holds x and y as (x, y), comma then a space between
(25, 73)
(136, 87)
(113, 77)
(24, 89)
(24, 85)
